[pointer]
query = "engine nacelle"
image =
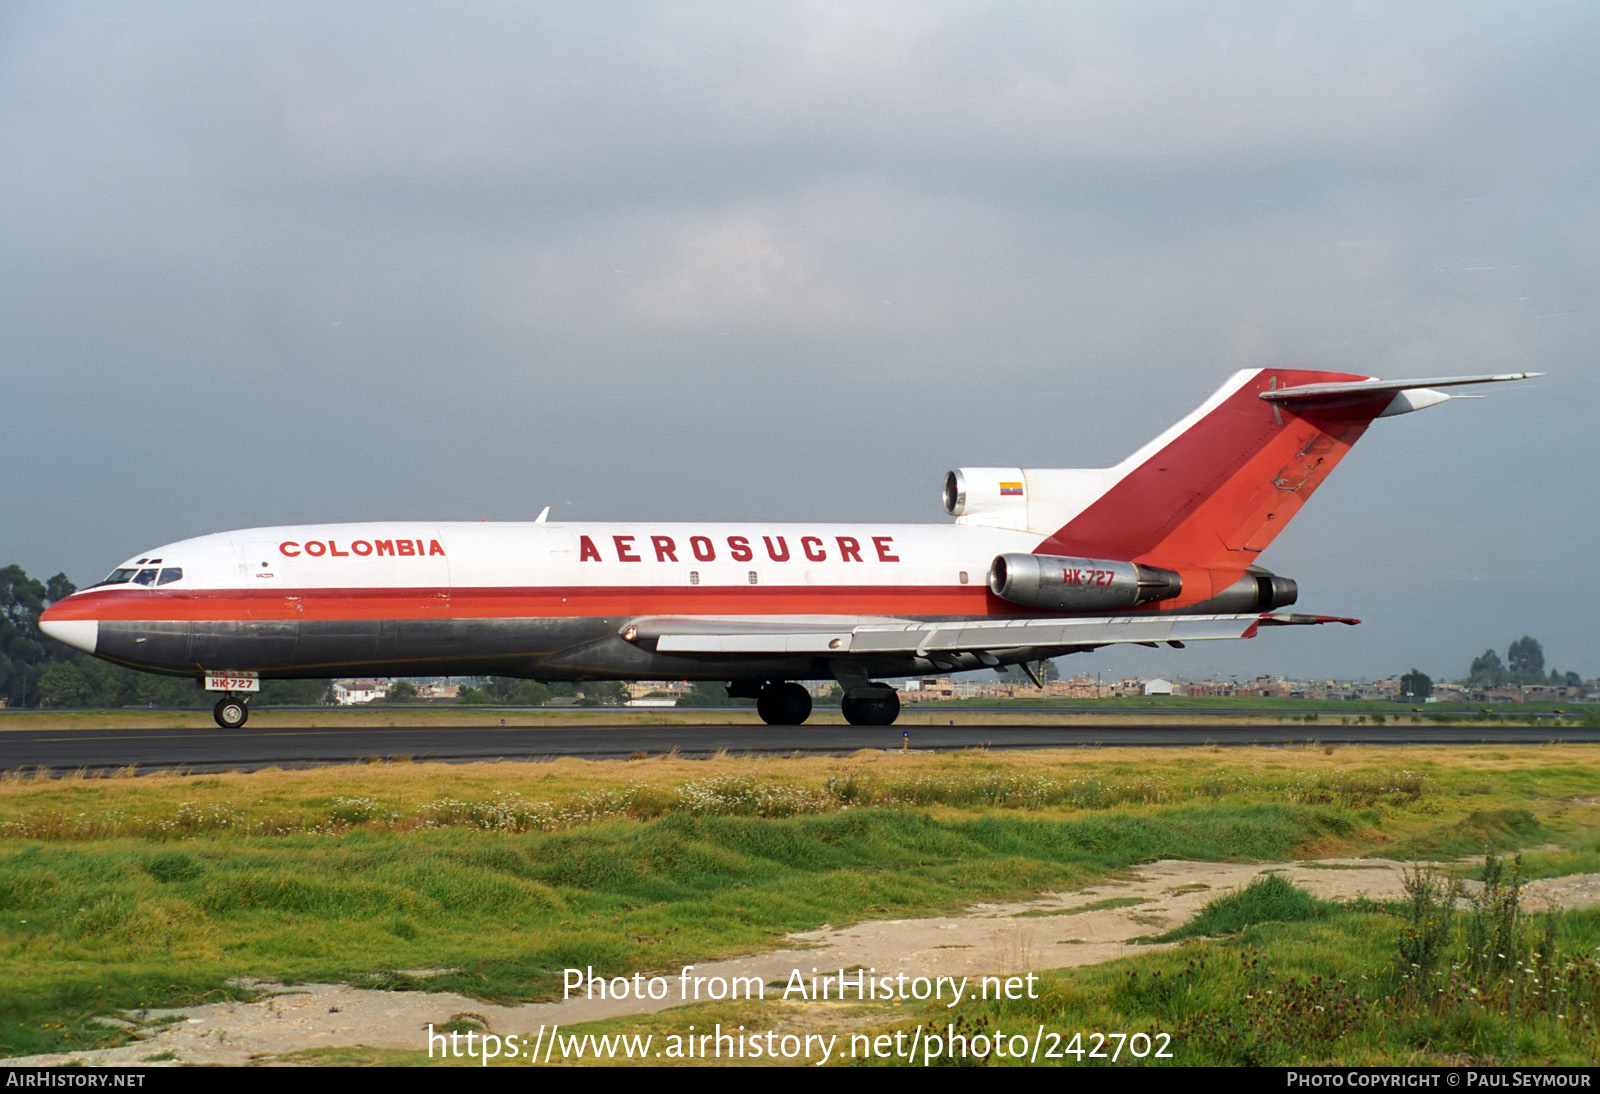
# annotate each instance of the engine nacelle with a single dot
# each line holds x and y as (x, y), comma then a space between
(1024, 499)
(1256, 591)
(1079, 584)
(987, 495)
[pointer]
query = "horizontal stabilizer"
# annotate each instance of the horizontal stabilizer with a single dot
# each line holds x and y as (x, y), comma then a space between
(1406, 395)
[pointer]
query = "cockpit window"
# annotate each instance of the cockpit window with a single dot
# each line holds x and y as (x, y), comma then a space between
(147, 576)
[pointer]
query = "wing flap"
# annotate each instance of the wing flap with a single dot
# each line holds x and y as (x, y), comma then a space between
(748, 642)
(921, 637)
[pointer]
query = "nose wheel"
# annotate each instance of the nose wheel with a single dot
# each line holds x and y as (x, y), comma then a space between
(230, 713)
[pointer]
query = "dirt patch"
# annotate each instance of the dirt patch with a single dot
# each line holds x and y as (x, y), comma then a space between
(1057, 930)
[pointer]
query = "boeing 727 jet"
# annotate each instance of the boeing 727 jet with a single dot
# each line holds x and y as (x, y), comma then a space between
(1036, 563)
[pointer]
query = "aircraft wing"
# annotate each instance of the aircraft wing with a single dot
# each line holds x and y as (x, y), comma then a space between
(691, 635)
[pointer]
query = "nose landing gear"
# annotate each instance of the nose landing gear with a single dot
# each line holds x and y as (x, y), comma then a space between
(230, 712)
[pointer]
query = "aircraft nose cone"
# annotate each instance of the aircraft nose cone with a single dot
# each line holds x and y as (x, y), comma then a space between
(80, 634)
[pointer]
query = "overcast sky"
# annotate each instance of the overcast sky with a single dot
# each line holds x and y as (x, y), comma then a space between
(267, 263)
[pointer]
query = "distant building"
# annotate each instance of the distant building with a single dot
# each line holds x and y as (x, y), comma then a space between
(347, 693)
(643, 689)
(1158, 686)
(927, 690)
(350, 693)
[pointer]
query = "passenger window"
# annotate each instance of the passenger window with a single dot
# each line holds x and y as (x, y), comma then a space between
(170, 574)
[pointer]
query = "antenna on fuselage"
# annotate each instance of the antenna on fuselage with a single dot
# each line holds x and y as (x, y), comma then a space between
(543, 513)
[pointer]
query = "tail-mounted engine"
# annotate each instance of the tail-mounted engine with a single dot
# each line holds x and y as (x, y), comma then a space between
(1079, 584)
(1024, 499)
(1256, 591)
(987, 495)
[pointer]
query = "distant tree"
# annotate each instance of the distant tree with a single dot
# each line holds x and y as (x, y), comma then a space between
(1416, 685)
(24, 655)
(295, 693)
(604, 693)
(401, 691)
(474, 697)
(528, 693)
(1525, 661)
(1488, 671)
(64, 685)
(116, 686)
(512, 692)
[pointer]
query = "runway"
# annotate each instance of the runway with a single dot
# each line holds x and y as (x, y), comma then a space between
(101, 751)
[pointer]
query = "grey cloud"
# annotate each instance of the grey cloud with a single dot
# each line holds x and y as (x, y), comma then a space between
(374, 260)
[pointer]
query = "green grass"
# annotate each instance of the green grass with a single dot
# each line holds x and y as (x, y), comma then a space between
(92, 928)
(1480, 830)
(127, 893)
(1097, 906)
(1267, 899)
(1326, 990)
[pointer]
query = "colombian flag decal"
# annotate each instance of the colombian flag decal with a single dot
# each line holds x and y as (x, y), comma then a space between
(1011, 490)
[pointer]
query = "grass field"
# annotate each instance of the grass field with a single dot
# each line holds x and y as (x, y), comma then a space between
(154, 891)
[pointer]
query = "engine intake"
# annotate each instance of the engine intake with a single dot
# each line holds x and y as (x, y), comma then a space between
(1079, 584)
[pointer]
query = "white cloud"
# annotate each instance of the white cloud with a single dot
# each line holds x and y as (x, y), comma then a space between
(742, 270)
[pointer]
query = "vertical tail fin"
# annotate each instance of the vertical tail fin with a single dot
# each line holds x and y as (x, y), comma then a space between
(1214, 490)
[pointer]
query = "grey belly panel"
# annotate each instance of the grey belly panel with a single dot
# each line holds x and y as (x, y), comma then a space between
(551, 649)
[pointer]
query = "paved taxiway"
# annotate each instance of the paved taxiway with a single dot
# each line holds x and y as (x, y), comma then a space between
(204, 750)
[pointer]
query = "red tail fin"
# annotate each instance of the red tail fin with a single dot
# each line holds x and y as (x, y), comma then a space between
(1214, 491)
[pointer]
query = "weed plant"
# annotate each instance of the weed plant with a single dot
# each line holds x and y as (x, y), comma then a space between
(1300, 982)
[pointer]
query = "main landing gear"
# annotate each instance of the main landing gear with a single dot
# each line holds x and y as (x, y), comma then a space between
(230, 712)
(872, 705)
(781, 703)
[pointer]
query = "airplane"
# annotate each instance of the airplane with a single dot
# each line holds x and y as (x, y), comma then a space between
(1037, 563)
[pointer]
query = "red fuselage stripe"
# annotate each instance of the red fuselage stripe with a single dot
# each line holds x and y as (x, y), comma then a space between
(534, 603)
